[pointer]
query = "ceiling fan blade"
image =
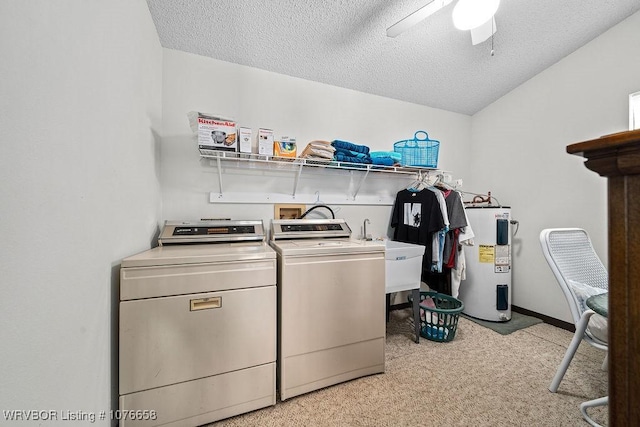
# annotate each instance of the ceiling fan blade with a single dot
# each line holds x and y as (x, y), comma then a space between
(404, 24)
(483, 32)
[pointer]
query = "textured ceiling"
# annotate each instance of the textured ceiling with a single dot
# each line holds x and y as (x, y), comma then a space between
(344, 43)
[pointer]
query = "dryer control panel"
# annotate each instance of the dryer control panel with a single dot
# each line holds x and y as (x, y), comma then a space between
(309, 228)
(180, 232)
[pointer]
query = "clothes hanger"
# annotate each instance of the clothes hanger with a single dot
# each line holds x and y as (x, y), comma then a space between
(440, 184)
(320, 204)
(417, 183)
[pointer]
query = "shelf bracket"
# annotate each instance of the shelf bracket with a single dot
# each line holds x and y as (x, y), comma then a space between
(219, 174)
(361, 182)
(296, 179)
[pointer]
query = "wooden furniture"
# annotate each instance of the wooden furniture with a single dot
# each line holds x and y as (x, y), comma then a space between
(617, 157)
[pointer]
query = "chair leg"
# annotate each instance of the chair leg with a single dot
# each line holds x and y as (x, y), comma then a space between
(591, 404)
(605, 363)
(571, 350)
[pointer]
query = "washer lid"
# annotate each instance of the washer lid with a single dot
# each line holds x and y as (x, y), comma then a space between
(326, 246)
(199, 254)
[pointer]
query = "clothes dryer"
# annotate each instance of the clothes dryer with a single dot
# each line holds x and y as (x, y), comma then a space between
(198, 325)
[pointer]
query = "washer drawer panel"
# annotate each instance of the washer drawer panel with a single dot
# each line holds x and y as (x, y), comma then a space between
(205, 400)
(158, 281)
(180, 338)
(311, 371)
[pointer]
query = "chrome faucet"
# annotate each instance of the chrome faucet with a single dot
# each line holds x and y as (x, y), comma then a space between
(365, 236)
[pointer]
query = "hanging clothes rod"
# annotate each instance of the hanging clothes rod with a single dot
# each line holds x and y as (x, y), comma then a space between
(481, 198)
(423, 180)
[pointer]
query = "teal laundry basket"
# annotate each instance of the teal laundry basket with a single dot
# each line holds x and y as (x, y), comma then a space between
(439, 314)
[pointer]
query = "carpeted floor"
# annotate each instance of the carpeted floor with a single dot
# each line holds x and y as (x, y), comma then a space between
(481, 378)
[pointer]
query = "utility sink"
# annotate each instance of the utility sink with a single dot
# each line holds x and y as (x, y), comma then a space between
(403, 266)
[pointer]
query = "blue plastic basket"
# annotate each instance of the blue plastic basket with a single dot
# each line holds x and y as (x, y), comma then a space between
(421, 152)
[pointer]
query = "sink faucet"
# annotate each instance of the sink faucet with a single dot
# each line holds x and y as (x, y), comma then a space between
(365, 236)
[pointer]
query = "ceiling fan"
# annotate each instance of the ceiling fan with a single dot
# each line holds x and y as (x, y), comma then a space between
(477, 16)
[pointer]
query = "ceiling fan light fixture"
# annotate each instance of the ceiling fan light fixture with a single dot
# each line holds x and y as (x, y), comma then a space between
(469, 14)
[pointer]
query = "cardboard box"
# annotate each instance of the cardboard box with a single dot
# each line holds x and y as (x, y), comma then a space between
(265, 142)
(216, 134)
(244, 140)
(285, 147)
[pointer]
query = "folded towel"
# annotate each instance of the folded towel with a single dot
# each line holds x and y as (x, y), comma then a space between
(392, 154)
(350, 153)
(340, 157)
(311, 151)
(320, 142)
(328, 148)
(350, 146)
(385, 161)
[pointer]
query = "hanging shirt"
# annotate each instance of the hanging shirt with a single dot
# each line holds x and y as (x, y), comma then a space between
(457, 220)
(416, 216)
(438, 238)
(466, 234)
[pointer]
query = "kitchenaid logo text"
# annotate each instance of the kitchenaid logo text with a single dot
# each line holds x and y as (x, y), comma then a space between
(214, 122)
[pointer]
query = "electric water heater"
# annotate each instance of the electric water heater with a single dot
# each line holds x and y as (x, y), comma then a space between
(486, 291)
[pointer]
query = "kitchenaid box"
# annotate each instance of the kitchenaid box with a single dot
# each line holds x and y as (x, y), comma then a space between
(214, 133)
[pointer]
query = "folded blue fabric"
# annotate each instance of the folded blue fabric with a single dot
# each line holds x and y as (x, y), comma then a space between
(350, 146)
(340, 157)
(350, 153)
(392, 154)
(386, 161)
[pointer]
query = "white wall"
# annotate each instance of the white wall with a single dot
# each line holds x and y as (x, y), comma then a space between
(290, 106)
(519, 153)
(80, 103)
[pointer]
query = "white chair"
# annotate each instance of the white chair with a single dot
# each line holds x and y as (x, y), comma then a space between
(580, 274)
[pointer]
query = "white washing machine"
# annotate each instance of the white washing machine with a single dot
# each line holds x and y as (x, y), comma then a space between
(198, 325)
(331, 305)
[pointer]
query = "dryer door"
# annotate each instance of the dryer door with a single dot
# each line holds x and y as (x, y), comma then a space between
(180, 338)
